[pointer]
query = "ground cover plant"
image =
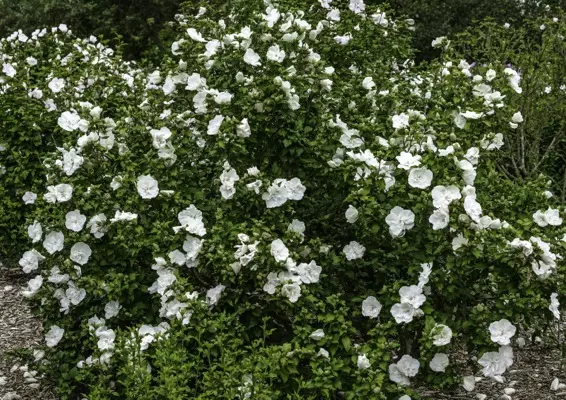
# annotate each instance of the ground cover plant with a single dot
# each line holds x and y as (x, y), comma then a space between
(286, 207)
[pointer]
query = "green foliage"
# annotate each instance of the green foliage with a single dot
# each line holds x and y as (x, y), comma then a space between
(284, 207)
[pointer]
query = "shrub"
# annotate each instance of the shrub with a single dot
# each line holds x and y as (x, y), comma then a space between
(536, 49)
(285, 208)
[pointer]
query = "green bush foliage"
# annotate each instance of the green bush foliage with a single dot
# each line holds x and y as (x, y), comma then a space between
(285, 207)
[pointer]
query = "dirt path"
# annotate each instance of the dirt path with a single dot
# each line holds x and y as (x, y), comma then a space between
(18, 329)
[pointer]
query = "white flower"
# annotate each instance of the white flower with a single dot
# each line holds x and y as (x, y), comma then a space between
(399, 221)
(403, 312)
(53, 242)
(292, 291)
(106, 339)
(213, 295)
(112, 309)
(29, 197)
(493, 364)
(228, 179)
(33, 286)
(59, 193)
(30, 261)
(441, 335)
(412, 295)
(554, 305)
(473, 208)
(74, 294)
(54, 335)
(35, 232)
(252, 58)
(282, 190)
(400, 121)
(8, 70)
(502, 331)
(420, 178)
(351, 214)
(371, 307)
(297, 226)
(517, 117)
(160, 137)
(75, 221)
(442, 196)
(368, 83)
(196, 36)
(279, 251)
(354, 250)
(404, 369)
(408, 161)
(80, 253)
(56, 85)
(69, 121)
(243, 129)
(275, 53)
(439, 362)
(147, 187)
(343, 39)
(309, 273)
(214, 125)
(317, 335)
(191, 221)
(459, 241)
(323, 353)
(357, 6)
(96, 225)
(363, 362)
(440, 218)
(548, 217)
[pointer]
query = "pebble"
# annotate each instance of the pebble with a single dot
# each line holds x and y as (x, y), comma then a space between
(11, 396)
(554, 384)
(499, 378)
(509, 391)
(504, 397)
(3, 380)
(481, 396)
(8, 288)
(513, 383)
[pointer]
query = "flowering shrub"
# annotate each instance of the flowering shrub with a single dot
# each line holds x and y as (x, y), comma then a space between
(286, 208)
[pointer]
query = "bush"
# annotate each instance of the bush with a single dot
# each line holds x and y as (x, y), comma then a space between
(536, 49)
(285, 208)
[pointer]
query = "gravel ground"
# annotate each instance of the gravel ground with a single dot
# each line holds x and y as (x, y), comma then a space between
(18, 329)
(529, 378)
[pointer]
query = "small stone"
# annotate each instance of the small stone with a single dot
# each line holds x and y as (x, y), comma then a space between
(513, 383)
(469, 383)
(554, 385)
(3, 380)
(481, 396)
(34, 385)
(14, 368)
(538, 340)
(561, 386)
(11, 396)
(509, 391)
(8, 288)
(504, 397)
(521, 342)
(499, 378)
